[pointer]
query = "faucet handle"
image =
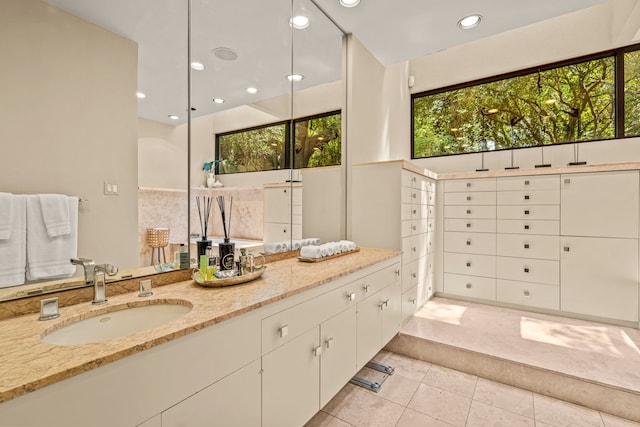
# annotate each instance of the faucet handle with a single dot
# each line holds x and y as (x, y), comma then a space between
(108, 269)
(81, 261)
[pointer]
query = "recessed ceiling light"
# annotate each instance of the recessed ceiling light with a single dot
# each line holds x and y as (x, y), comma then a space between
(225, 53)
(173, 117)
(349, 3)
(252, 90)
(469, 22)
(197, 66)
(141, 95)
(295, 77)
(299, 22)
(218, 100)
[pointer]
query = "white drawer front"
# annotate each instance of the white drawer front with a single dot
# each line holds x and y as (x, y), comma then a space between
(374, 282)
(409, 304)
(513, 183)
(523, 246)
(523, 226)
(407, 228)
(529, 294)
(475, 184)
(431, 197)
(481, 212)
(410, 248)
(470, 264)
(470, 225)
(529, 212)
(542, 197)
(410, 274)
(405, 211)
(529, 270)
(470, 243)
(412, 195)
(470, 286)
(479, 198)
(430, 245)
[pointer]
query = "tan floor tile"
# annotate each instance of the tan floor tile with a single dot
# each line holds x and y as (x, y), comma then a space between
(365, 409)
(405, 366)
(398, 389)
(411, 418)
(340, 399)
(483, 415)
(441, 404)
(451, 380)
(611, 421)
(322, 419)
(563, 414)
(503, 396)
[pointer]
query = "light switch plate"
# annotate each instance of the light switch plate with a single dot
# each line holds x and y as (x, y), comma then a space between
(110, 189)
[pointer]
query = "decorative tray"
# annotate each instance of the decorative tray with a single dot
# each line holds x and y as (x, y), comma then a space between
(228, 281)
(305, 259)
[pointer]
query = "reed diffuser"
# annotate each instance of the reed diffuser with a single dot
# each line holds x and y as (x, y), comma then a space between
(204, 213)
(226, 249)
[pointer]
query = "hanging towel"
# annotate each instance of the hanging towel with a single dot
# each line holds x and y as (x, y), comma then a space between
(13, 251)
(5, 215)
(49, 257)
(55, 212)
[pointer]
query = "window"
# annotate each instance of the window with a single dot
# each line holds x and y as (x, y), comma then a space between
(570, 102)
(317, 142)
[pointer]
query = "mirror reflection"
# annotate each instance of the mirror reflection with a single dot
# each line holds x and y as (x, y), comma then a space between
(73, 125)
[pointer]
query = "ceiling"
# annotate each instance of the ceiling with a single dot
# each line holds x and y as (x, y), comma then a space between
(259, 32)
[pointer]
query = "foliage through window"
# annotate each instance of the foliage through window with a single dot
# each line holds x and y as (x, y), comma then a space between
(568, 103)
(317, 142)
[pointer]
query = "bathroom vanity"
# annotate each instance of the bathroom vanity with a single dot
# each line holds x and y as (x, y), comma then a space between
(271, 352)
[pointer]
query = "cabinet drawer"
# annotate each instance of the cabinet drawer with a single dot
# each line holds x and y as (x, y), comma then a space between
(523, 246)
(470, 225)
(430, 246)
(431, 196)
(470, 286)
(529, 270)
(412, 195)
(410, 274)
(529, 294)
(470, 243)
(529, 212)
(475, 184)
(412, 227)
(479, 198)
(286, 325)
(542, 197)
(470, 264)
(533, 226)
(514, 183)
(372, 283)
(413, 211)
(480, 212)
(415, 246)
(409, 304)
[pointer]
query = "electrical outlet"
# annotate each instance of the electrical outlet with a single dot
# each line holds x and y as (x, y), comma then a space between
(110, 189)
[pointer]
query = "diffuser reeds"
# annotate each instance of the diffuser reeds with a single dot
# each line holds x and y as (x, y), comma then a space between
(226, 221)
(204, 213)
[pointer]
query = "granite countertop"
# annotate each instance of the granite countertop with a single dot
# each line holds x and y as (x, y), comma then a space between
(28, 364)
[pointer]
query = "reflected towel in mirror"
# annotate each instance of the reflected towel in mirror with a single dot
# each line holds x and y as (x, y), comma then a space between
(5, 215)
(13, 251)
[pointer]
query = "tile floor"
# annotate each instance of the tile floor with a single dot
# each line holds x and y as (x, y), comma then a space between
(423, 394)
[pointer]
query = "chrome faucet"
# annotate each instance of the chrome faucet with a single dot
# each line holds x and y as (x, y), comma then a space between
(94, 275)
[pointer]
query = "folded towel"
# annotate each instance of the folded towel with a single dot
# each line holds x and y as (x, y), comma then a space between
(5, 215)
(310, 251)
(49, 257)
(13, 251)
(55, 212)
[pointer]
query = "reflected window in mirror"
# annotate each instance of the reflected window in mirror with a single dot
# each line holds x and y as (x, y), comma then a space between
(318, 141)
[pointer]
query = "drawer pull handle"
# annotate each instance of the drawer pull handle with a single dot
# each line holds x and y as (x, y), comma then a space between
(397, 272)
(468, 225)
(283, 331)
(328, 342)
(468, 184)
(526, 212)
(566, 249)
(414, 179)
(317, 351)
(468, 263)
(384, 304)
(284, 230)
(526, 269)
(414, 211)
(468, 242)
(351, 296)
(526, 293)
(468, 211)
(468, 198)
(366, 288)
(526, 246)
(412, 301)
(414, 228)
(526, 182)
(468, 286)
(526, 197)
(526, 226)
(567, 180)
(413, 248)
(414, 275)
(414, 195)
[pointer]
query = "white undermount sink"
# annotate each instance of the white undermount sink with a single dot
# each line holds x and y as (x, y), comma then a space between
(117, 322)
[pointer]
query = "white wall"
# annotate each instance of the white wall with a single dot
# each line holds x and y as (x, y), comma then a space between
(69, 121)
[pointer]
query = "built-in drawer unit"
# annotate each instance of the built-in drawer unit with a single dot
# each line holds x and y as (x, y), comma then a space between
(528, 270)
(470, 286)
(409, 304)
(470, 264)
(470, 243)
(479, 212)
(529, 226)
(544, 212)
(471, 225)
(529, 246)
(525, 183)
(474, 184)
(480, 198)
(533, 197)
(528, 294)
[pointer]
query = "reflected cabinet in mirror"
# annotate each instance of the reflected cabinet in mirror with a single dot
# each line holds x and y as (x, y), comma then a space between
(104, 101)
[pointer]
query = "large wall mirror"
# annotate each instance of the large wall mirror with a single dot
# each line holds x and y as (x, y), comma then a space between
(72, 124)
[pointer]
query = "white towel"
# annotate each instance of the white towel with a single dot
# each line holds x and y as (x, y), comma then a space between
(49, 257)
(5, 215)
(55, 212)
(13, 251)
(310, 251)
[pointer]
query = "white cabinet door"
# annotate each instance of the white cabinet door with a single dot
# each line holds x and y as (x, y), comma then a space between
(600, 204)
(277, 205)
(338, 360)
(291, 381)
(391, 312)
(232, 401)
(600, 277)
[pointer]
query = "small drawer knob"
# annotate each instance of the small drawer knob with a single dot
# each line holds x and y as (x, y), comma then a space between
(567, 180)
(283, 331)
(468, 242)
(468, 225)
(468, 198)
(527, 212)
(526, 293)
(526, 246)
(468, 184)
(366, 288)
(526, 269)
(414, 275)
(414, 195)
(413, 249)
(317, 351)
(351, 296)
(468, 263)
(328, 342)
(414, 211)
(566, 249)
(468, 211)
(414, 228)
(468, 286)
(412, 301)
(526, 226)
(526, 182)
(526, 197)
